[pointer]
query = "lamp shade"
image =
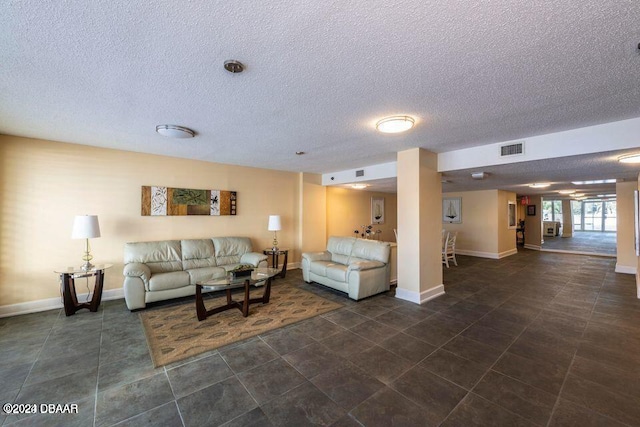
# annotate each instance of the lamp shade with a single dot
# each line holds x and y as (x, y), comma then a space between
(85, 227)
(274, 223)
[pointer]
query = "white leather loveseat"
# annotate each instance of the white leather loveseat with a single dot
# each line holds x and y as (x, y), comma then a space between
(356, 266)
(156, 271)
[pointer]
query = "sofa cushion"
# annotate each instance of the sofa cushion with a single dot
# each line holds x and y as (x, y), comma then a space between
(320, 267)
(160, 257)
(205, 273)
(171, 280)
(228, 250)
(337, 272)
(366, 250)
(340, 248)
(197, 253)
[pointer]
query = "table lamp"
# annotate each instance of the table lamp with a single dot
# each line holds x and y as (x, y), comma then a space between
(86, 227)
(275, 226)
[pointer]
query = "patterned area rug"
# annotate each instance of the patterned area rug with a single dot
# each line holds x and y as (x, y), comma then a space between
(174, 333)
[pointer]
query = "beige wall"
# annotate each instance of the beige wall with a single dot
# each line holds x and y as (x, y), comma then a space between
(478, 232)
(533, 225)
(484, 229)
(637, 263)
(348, 210)
(625, 241)
(313, 213)
(45, 184)
(506, 235)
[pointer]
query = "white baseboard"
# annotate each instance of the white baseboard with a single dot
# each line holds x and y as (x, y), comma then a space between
(420, 297)
(52, 303)
(510, 252)
(479, 254)
(492, 255)
(532, 247)
(626, 269)
(562, 251)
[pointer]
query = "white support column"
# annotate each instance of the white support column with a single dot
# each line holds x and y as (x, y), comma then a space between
(419, 226)
(567, 219)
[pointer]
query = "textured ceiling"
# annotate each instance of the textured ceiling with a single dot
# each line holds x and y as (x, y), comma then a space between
(318, 74)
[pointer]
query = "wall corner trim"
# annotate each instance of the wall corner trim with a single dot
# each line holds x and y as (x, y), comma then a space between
(508, 253)
(420, 297)
(479, 254)
(626, 269)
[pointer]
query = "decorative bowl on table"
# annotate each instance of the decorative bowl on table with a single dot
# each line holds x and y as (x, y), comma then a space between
(240, 271)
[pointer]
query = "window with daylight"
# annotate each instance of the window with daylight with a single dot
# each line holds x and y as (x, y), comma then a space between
(552, 210)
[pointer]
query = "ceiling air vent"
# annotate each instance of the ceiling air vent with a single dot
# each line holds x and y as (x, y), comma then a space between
(360, 173)
(516, 149)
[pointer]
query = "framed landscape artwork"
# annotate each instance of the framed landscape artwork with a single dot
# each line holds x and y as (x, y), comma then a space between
(452, 210)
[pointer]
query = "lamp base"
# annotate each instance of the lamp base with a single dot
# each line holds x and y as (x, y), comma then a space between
(87, 266)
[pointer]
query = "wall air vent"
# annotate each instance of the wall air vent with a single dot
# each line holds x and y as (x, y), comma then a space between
(516, 149)
(360, 173)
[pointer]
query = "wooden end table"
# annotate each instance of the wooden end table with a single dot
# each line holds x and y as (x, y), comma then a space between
(274, 259)
(257, 278)
(68, 287)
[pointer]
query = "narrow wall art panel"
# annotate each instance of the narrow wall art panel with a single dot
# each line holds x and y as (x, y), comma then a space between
(166, 201)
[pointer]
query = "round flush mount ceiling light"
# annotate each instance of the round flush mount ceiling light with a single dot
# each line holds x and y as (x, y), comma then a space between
(395, 124)
(629, 158)
(173, 131)
(359, 186)
(540, 185)
(566, 191)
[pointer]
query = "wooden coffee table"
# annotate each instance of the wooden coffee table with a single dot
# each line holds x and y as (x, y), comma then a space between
(259, 277)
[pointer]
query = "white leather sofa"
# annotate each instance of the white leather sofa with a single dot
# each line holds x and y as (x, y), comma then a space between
(355, 266)
(156, 271)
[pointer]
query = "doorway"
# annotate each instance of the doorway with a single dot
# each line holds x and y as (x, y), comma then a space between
(594, 227)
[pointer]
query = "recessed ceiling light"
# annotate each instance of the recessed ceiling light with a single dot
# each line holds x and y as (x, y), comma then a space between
(395, 124)
(629, 158)
(233, 66)
(540, 185)
(359, 186)
(594, 181)
(173, 131)
(567, 191)
(300, 153)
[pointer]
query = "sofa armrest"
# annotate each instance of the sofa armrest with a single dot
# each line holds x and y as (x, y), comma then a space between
(317, 256)
(138, 269)
(365, 265)
(253, 258)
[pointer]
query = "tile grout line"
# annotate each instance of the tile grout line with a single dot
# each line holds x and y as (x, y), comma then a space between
(175, 399)
(555, 406)
(95, 397)
(489, 369)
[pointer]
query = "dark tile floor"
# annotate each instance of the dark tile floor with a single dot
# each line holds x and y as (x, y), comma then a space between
(533, 339)
(602, 243)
